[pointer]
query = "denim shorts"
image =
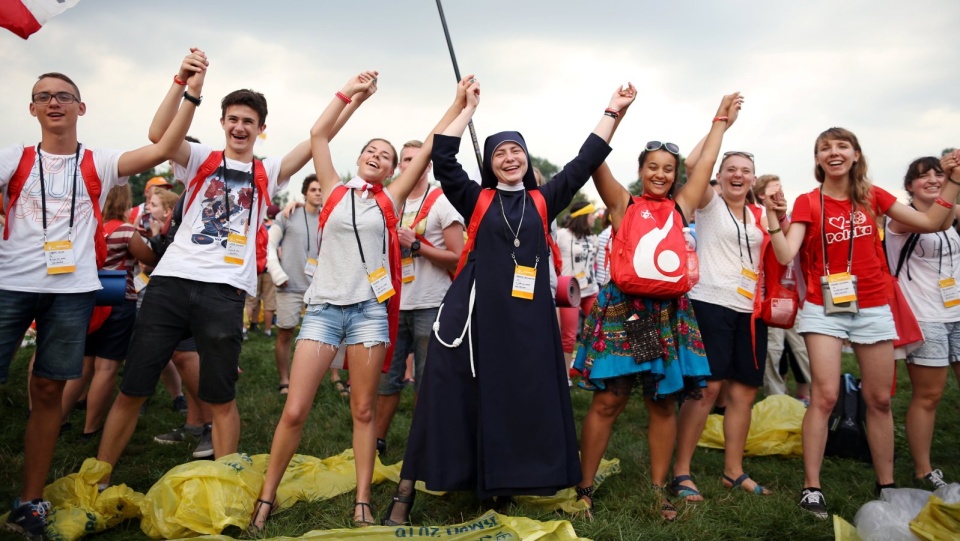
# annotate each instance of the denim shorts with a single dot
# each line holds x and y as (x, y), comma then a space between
(360, 323)
(941, 344)
(62, 321)
(870, 326)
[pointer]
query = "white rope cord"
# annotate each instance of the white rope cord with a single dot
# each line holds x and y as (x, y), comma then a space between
(466, 329)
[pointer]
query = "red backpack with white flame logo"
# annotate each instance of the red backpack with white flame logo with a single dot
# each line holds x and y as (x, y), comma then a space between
(648, 254)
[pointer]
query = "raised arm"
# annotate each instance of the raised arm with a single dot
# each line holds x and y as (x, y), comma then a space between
(294, 160)
(938, 215)
(138, 161)
(401, 187)
(612, 193)
(698, 180)
(323, 129)
(784, 238)
(195, 62)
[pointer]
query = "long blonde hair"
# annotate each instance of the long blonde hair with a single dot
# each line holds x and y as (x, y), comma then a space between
(860, 185)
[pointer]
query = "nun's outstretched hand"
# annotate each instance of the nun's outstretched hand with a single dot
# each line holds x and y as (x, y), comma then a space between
(473, 93)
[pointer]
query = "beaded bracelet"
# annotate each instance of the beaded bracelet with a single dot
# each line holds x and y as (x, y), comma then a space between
(344, 98)
(721, 119)
(944, 203)
(179, 81)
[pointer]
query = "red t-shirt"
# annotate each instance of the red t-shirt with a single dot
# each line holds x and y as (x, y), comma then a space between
(872, 284)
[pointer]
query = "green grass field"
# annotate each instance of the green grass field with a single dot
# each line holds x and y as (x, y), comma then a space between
(625, 506)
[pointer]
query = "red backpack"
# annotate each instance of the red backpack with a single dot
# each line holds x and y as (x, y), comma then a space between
(88, 170)
(775, 304)
(483, 203)
(261, 182)
(648, 253)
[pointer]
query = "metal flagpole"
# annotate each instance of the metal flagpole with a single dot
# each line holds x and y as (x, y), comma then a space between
(456, 71)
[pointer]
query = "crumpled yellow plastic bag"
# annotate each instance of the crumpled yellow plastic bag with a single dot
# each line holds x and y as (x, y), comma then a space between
(774, 428)
(937, 520)
(79, 509)
(489, 526)
(844, 531)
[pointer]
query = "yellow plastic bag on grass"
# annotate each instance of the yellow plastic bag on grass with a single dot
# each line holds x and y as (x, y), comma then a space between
(79, 509)
(844, 531)
(202, 497)
(309, 478)
(937, 520)
(774, 428)
(490, 526)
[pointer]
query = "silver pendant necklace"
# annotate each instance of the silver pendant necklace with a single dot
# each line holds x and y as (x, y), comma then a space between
(516, 236)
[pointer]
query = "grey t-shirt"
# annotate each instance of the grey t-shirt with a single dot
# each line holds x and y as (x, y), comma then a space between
(298, 241)
(341, 276)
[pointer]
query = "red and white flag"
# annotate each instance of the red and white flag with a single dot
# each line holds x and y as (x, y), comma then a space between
(24, 17)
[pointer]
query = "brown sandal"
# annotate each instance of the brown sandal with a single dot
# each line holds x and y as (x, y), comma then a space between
(253, 529)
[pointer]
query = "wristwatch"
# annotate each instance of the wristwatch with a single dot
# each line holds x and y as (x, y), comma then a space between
(192, 99)
(414, 248)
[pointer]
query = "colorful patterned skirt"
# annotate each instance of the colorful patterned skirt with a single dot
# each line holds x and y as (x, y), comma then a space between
(605, 351)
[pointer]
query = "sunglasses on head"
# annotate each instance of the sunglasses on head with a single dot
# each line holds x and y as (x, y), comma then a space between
(653, 146)
(738, 153)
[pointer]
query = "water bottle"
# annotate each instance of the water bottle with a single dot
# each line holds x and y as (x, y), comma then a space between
(789, 280)
(693, 263)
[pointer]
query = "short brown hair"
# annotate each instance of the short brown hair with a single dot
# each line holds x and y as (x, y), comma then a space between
(168, 198)
(62, 77)
(310, 179)
(250, 98)
(761, 186)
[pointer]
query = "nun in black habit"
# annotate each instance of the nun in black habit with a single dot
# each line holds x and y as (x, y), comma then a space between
(493, 414)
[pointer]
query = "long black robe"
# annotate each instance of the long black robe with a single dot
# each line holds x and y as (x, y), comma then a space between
(509, 430)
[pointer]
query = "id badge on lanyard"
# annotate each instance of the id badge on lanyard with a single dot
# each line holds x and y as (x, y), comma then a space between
(141, 281)
(842, 287)
(949, 292)
(59, 256)
(408, 270)
(524, 280)
(310, 267)
(236, 249)
(747, 285)
(382, 287)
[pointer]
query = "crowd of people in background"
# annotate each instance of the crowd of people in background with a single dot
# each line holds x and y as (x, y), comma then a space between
(463, 278)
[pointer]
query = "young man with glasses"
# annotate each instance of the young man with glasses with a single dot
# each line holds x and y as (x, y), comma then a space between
(52, 245)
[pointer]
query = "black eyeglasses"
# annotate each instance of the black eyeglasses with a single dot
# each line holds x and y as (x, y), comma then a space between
(738, 153)
(62, 98)
(672, 148)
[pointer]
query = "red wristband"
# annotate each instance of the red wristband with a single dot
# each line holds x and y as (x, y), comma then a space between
(179, 81)
(721, 119)
(344, 98)
(944, 203)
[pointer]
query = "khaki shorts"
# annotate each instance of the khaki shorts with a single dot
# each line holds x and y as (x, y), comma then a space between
(289, 308)
(266, 293)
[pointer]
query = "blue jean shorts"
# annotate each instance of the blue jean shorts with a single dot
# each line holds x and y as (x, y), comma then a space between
(870, 326)
(360, 323)
(941, 344)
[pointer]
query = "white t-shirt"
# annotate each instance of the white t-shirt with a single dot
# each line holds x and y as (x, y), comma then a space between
(579, 260)
(603, 269)
(719, 251)
(23, 264)
(930, 262)
(199, 248)
(341, 276)
(430, 282)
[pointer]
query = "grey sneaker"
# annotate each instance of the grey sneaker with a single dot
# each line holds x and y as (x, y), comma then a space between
(934, 480)
(180, 404)
(205, 446)
(29, 519)
(179, 434)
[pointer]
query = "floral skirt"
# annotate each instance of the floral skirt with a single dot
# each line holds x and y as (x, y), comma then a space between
(605, 351)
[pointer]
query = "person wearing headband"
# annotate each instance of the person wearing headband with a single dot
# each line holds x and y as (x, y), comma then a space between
(494, 413)
(578, 252)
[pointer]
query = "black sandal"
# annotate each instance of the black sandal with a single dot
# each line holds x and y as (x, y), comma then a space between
(399, 498)
(586, 493)
(252, 528)
(343, 389)
(363, 522)
(283, 387)
(668, 511)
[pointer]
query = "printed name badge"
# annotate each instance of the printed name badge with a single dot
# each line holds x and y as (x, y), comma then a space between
(310, 267)
(236, 249)
(408, 275)
(59, 254)
(748, 283)
(140, 281)
(841, 288)
(380, 281)
(949, 293)
(582, 279)
(524, 278)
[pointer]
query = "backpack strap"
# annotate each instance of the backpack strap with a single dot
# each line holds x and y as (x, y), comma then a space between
(335, 196)
(541, 205)
(205, 170)
(111, 226)
(88, 170)
(17, 181)
(906, 252)
(432, 196)
(396, 272)
(483, 203)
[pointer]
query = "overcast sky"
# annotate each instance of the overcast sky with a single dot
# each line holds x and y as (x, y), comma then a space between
(889, 71)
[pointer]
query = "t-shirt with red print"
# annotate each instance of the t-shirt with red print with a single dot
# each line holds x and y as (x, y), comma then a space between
(872, 284)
